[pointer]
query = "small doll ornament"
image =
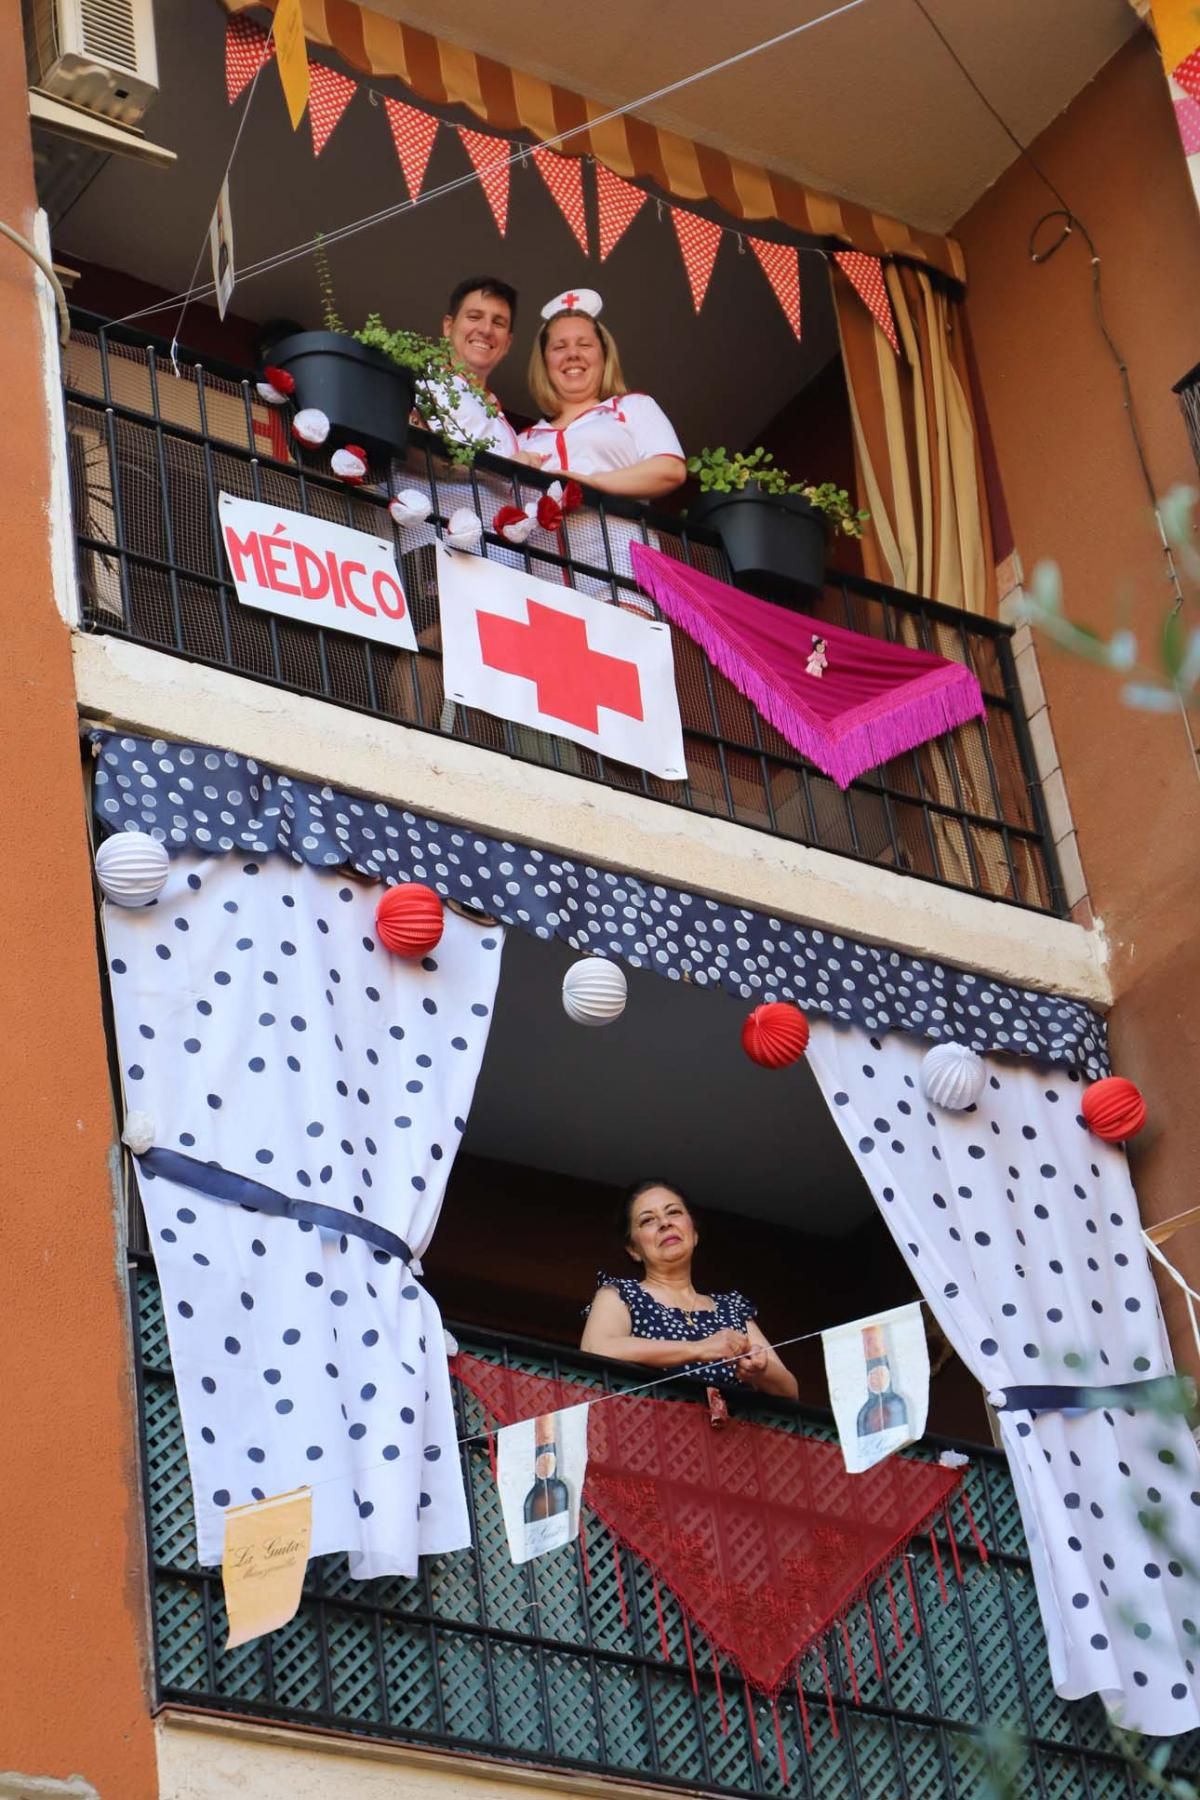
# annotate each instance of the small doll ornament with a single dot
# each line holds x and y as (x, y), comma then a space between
(818, 661)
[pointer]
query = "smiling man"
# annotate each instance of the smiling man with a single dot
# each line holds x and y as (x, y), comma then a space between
(480, 315)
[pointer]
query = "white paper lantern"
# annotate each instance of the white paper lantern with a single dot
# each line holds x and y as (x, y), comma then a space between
(593, 991)
(952, 1076)
(132, 868)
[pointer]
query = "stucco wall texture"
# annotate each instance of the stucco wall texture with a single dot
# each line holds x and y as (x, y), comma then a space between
(72, 1650)
(1076, 496)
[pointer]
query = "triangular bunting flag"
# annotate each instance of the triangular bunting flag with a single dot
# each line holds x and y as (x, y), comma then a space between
(1187, 74)
(619, 204)
(699, 240)
(490, 157)
(563, 175)
(413, 133)
(865, 275)
(1187, 117)
(329, 94)
(247, 48)
(781, 266)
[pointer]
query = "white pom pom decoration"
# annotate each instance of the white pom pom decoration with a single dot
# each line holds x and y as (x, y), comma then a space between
(410, 507)
(519, 530)
(952, 1076)
(132, 868)
(138, 1132)
(464, 529)
(270, 394)
(594, 991)
(349, 463)
(311, 426)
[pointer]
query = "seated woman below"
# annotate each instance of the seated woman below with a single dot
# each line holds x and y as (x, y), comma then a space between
(662, 1322)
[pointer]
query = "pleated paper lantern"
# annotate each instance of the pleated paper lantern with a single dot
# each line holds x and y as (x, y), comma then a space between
(952, 1076)
(775, 1035)
(132, 868)
(1114, 1109)
(594, 991)
(409, 920)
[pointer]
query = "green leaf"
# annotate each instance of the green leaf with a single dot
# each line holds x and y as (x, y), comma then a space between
(1174, 643)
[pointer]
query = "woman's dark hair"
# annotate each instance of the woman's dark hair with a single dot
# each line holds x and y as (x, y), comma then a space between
(634, 1194)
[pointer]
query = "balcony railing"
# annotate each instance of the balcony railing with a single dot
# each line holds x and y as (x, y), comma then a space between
(535, 1664)
(150, 451)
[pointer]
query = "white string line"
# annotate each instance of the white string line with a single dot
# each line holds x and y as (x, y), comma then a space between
(211, 289)
(519, 154)
(482, 1437)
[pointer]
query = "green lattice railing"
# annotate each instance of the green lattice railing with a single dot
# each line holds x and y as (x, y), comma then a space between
(535, 1665)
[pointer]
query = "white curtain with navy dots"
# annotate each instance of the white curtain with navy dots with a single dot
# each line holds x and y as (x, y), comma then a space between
(1021, 1230)
(261, 1025)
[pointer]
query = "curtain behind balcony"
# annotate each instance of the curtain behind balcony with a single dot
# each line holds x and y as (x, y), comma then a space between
(1021, 1230)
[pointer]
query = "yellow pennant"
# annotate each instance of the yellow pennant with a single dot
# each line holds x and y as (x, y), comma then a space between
(291, 57)
(1177, 28)
(266, 1553)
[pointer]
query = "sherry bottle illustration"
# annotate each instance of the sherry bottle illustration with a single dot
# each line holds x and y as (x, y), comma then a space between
(883, 1409)
(548, 1502)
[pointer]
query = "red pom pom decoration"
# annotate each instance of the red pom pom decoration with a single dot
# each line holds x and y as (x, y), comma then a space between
(409, 920)
(280, 380)
(1114, 1109)
(775, 1035)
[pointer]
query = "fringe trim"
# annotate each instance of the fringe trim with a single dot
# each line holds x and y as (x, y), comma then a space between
(863, 738)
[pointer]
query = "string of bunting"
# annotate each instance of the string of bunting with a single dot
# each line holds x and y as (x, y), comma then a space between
(618, 202)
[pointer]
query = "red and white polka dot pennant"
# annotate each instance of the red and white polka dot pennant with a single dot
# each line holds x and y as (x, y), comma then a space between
(865, 274)
(413, 133)
(563, 175)
(247, 48)
(699, 240)
(489, 156)
(329, 94)
(619, 204)
(781, 266)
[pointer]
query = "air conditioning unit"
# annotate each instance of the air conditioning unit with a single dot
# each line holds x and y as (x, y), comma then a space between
(95, 54)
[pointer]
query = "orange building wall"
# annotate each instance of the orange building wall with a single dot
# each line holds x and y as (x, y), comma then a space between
(73, 1653)
(1076, 496)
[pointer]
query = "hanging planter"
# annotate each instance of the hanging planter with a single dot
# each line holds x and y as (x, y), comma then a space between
(366, 396)
(775, 532)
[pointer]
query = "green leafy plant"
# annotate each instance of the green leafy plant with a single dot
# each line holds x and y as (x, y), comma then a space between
(430, 361)
(720, 472)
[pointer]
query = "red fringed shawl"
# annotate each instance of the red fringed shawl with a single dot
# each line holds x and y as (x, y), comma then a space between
(762, 1537)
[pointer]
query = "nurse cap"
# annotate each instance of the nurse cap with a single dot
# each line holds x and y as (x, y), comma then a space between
(584, 300)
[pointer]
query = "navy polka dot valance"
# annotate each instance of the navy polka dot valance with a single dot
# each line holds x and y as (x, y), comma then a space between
(191, 796)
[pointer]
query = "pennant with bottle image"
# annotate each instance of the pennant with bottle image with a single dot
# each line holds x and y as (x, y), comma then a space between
(878, 1374)
(491, 160)
(618, 204)
(540, 1466)
(413, 133)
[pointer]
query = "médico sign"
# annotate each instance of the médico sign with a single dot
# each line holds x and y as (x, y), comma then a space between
(307, 569)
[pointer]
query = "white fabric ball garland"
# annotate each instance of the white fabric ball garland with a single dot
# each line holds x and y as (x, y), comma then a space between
(952, 1076)
(132, 868)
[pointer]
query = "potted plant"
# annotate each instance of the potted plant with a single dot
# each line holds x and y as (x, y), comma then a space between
(369, 381)
(775, 530)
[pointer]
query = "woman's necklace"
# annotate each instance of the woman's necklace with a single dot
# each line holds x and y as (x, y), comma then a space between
(688, 1313)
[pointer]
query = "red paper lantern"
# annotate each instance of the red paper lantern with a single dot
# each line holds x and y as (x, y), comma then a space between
(409, 920)
(775, 1035)
(1114, 1109)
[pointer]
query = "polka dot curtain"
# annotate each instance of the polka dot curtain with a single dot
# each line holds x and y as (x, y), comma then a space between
(1021, 1230)
(185, 794)
(261, 1026)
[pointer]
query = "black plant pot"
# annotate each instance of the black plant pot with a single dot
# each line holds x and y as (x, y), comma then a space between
(366, 396)
(775, 542)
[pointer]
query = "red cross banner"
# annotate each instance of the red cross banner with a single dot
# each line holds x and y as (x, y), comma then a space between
(545, 656)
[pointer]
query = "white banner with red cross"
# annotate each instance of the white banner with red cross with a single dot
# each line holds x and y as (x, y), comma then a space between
(543, 655)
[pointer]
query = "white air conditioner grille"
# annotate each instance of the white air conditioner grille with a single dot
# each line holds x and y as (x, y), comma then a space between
(109, 32)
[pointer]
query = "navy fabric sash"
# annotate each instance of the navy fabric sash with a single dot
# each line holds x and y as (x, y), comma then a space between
(240, 1190)
(1166, 1391)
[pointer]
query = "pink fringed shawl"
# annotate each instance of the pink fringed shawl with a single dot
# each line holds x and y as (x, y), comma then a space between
(873, 700)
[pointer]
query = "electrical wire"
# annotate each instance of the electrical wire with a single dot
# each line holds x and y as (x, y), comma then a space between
(519, 154)
(1071, 223)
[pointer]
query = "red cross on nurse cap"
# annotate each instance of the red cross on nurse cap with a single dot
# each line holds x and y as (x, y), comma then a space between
(584, 300)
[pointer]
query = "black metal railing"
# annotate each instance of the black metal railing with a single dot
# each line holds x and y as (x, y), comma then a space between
(151, 450)
(560, 1662)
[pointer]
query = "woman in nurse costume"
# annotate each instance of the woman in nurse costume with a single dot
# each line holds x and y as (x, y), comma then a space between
(594, 430)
